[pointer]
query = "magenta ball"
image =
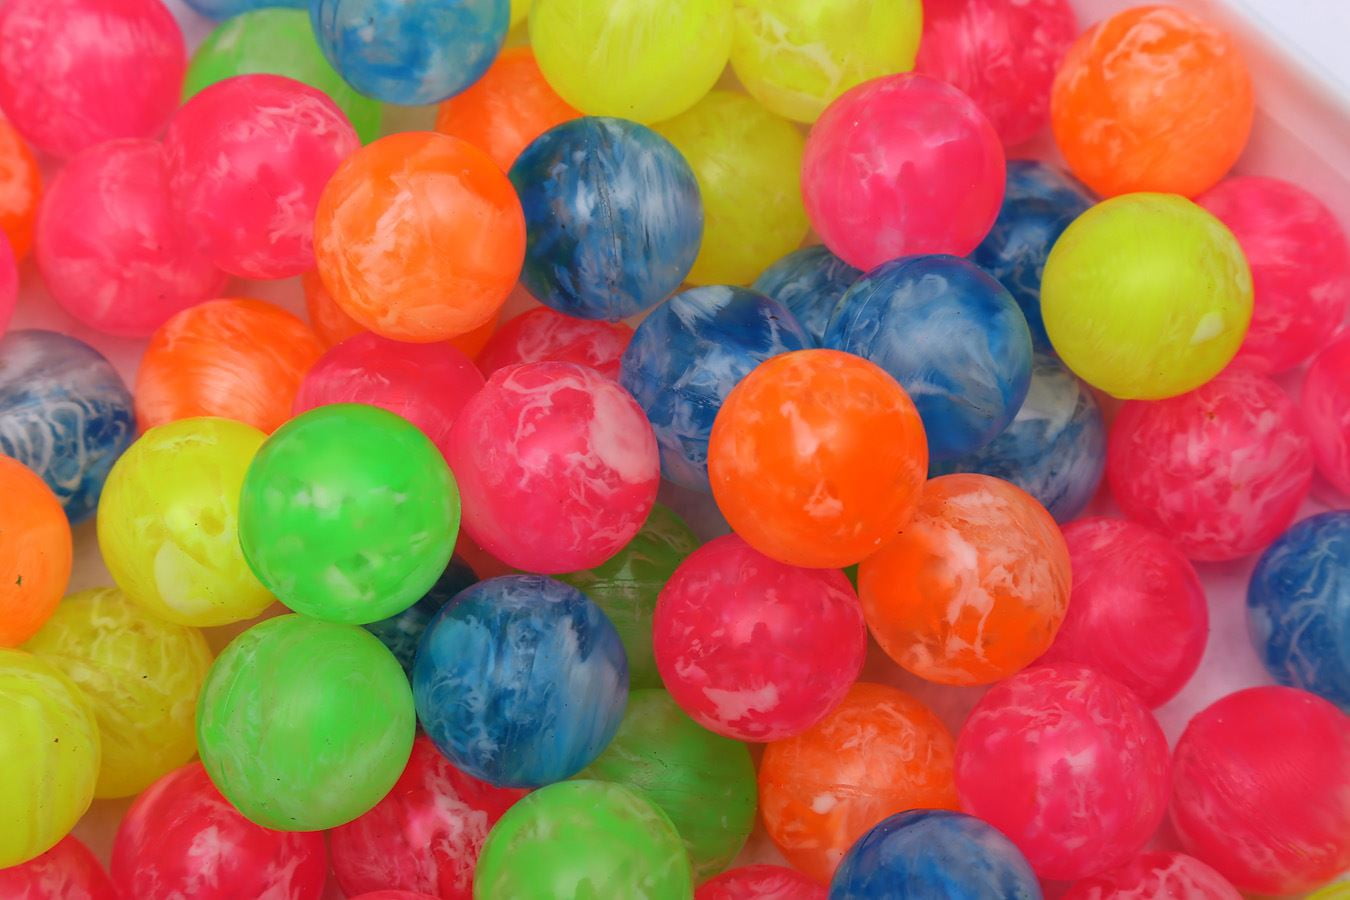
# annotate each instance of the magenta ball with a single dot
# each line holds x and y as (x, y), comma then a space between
(1219, 472)
(9, 284)
(756, 649)
(557, 467)
(544, 334)
(1153, 876)
(1261, 789)
(902, 165)
(248, 158)
(1326, 412)
(1069, 764)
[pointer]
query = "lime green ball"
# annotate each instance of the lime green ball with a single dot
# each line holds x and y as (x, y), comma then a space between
(305, 725)
(583, 839)
(1146, 296)
(273, 41)
(703, 781)
(748, 164)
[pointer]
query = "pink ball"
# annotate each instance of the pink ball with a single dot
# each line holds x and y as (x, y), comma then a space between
(1137, 609)
(1300, 265)
(1152, 876)
(1220, 472)
(427, 384)
(248, 158)
(760, 882)
(9, 284)
(395, 895)
(543, 334)
(557, 467)
(74, 73)
(753, 648)
(1261, 789)
(1002, 53)
(68, 871)
(1326, 412)
(900, 165)
(1068, 764)
(109, 248)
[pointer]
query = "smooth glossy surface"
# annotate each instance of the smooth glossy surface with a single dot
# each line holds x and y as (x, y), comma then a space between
(68, 871)
(1325, 405)
(809, 282)
(539, 335)
(1152, 875)
(35, 553)
(20, 191)
(403, 631)
(760, 882)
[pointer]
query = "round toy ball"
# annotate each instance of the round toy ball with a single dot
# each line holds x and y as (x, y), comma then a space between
(20, 191)
(1161, 874)
(950, 154)
(35, 556)
(542, 335)
(521, 681)
(1261, 790)
(9, 283)
(809, 282)
(1152, 99)
(608, 837)
(65, 413)
(613, 217)
(412, 51)
(1146, 296)
(303, 724)
(1326, 412)
(776, 882)
(67, 870)
(632, 58)
(403, 631)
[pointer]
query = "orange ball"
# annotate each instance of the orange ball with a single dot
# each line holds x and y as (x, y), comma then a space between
(419, 237)
(878, 753)
(817, 457)
(35, 552)
(237, 359)
(1152, 99)
(20, 189)
(975, 587)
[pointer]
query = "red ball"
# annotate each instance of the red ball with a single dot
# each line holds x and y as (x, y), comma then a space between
(68, 871)
(761, 883)
(545, 334)
(1156, 875)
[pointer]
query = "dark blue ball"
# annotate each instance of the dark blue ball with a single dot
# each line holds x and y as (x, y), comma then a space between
(809, 282)
(402, 633)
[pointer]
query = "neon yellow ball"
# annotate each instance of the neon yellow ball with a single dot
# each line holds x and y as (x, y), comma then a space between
(1146, 296)
(748, 164)
(1338, 891)
(644, 60)
(49, 755)
(796, 56)
(519, 10)
(168, 522)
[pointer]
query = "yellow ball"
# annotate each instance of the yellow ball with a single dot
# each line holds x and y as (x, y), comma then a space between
(1338, 891)
(748, 164)
(141, 675)
(168, 522)
(49, 755)
(519, 10)
(796, 56)
(1146, 296)
(644, 60)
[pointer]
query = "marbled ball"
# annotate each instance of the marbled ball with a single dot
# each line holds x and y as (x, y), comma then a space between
(543, 334)
(1325, 405)
(20, 192)
(68, 871)
(760, 882)
(224, 9)
(1154, 875)
(809, 282)
(403, 631)
(36, 552)
(9, 274)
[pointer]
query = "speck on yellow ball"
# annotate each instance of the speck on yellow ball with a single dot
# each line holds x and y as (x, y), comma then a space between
(796, 56)
(1146, 296)
(141, 675)
(748, 164)
(168, 522)
(645, 60)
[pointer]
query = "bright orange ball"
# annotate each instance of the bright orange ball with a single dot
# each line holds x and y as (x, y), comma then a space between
(20, 189)
(35, 552)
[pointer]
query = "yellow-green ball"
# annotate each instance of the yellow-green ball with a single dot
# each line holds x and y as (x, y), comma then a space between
(645, 60)
(1146, 296)
(1337, 891)
(748, 164)
(49, 756)
(519, 10)
(796, 56)
(168, 522)
(141, 675)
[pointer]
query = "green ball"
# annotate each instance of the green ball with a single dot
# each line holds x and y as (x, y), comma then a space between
(277, 42)
(583, 839)
(304, 725)
(348, 513)
(703, 781)
(626, 586)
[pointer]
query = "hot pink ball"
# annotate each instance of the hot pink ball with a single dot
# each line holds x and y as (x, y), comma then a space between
(753, 648)
(761, 882)
(900, 165)
(1002, 53)
(1153, 876)
(1219, 472)
(544, 334)
(248, 158)
(1326, 412)
(68, 871)
(394, 895)
(1261, 789)
(109, 248)
(1137, 609)
(74, 73)
(557, 467)
(1067, 763)
(9, 284)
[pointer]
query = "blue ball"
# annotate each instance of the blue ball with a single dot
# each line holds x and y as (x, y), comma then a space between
(401, 633)
(613, 217)
(1055, 447)
(521, 681)
(65, 413)
(1038, 204)
(951, 335)
(1298, 607)
(809, 282)
(223, 9)
(932, 854)
(687, 356)
(410, 51)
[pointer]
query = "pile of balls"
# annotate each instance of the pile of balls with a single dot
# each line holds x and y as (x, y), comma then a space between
(391, 605)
